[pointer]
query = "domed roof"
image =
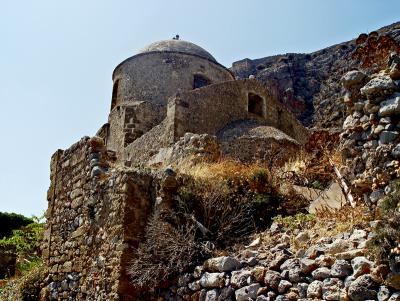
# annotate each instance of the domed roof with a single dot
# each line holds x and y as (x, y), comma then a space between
(178, 46)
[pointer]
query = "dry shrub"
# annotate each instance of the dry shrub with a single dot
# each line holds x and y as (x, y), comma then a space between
(386, 242)
(167, 251)
(331, 222)
(225, 214)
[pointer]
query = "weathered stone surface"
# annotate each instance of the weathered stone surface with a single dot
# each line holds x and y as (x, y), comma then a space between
(307, 265)
(341, 268)
(283, 286)
(362, 288)
(272, 279)
(239, 278)
(321, 273)
(390, 106)
(395, 297)
(379, 86)
(314, 290)
(244, 293)
(331, 289)
(353, 78)
(383, 293)
(212, 280)
(221, 264)
(386, 137)
(361, 265)
(212, 295)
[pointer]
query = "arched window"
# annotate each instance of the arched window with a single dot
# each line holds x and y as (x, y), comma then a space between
(200, 81)
(255, 104)
(114, 94)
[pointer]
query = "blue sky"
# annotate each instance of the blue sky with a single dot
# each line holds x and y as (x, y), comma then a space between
(57, 58)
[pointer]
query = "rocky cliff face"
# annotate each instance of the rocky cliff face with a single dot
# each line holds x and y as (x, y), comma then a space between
(309, 84)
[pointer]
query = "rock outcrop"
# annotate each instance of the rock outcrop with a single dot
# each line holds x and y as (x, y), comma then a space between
(309, 84)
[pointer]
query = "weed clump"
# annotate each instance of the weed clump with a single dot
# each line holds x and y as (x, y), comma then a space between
(386, 242)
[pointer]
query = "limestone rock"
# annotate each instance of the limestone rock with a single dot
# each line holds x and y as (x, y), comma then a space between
(244, 293)
(386, 137)
(212, 280)
(353, 78)
(390, 106)
(239, 278)
(272, 279)
(314, 290)
(379, 86)
(363, 288)
(221, 264)
(361, 265)
(331, 289)
(283, 286)
(341, 268)
(383, 293)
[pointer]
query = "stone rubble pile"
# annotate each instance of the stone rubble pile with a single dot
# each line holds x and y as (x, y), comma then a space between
(371, 132)
(334, 268)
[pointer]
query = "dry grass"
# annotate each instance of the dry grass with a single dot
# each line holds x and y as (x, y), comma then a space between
(221, 170)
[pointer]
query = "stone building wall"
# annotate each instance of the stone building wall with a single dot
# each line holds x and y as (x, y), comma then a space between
(96, 217)
(129, 122)
(211, 108)
(156, 76)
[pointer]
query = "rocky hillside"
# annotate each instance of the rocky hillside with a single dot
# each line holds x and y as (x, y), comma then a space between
(309, 84)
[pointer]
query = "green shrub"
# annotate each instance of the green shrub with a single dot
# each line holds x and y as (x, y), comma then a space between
(12, 221)
(25, 243)
(387, 231)
(297, 221)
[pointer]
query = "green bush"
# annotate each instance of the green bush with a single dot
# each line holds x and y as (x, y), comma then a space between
(387, 231)
(298, 221)
(12, 221)
(25, 242)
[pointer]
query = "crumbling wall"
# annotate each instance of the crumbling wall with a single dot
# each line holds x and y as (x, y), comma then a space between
(129, 122)
(209, 109)
(96, 217)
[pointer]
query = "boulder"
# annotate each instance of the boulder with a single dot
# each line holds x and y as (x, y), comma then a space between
(272, 279)
(212, 295)
(386, 137)
(361, 265)
(395, 297)
(341, 268)
(353, 78)
(212, 280)
(240, 278)
(314, 290)
(396, 151)
(363, 288)
(390, 106)
(321, 273)
(221, 264)
(247, 292)
(283, 286)
(331, 288)
(383, 293)
(381, 85)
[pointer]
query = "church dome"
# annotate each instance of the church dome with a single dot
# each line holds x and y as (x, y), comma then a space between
(178, 46)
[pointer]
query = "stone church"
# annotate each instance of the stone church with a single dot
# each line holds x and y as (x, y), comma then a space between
(99, 202)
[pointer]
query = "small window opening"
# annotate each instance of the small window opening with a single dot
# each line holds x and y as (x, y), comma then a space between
(200, 81)
(114, 94)
(255, 104)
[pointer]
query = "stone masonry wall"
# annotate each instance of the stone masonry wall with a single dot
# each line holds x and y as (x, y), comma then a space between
(96, 217)
(129, 122)
(156, 76)
(209, 109)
